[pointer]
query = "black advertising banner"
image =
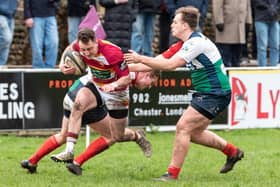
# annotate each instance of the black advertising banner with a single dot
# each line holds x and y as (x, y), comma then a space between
(32, 99)
(163, 104)
(12, 107)
(46, 91)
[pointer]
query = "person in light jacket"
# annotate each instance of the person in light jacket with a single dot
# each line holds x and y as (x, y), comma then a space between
(231, 18)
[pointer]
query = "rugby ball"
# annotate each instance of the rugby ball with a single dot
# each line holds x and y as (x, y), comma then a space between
(73, 59)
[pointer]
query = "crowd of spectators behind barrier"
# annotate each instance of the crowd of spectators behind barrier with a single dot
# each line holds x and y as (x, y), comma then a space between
(21, 53)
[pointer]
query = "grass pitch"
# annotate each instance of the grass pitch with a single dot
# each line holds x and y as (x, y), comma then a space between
(124, 164)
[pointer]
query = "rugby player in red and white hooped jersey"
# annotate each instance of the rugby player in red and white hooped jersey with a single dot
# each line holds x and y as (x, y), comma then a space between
(107, 67)
(108, 70)
(99, 99)
(92, 117)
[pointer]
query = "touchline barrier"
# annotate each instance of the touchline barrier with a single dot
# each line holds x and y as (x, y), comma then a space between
(32, 99)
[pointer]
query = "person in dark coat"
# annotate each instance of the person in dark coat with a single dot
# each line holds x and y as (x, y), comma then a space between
(201, 5)
(118, 19)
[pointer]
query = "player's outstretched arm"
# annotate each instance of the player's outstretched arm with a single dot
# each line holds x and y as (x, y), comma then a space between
(159, 62)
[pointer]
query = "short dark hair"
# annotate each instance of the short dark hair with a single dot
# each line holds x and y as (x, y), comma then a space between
(190, 15)
(85, 35)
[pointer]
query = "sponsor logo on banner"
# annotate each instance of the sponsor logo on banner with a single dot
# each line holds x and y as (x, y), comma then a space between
(239, 101)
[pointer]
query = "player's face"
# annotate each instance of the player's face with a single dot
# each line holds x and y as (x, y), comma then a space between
(177, 26)
(89, 49)
(145, 80)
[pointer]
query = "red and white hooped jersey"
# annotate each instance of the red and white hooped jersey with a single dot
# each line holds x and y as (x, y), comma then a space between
(108, 66)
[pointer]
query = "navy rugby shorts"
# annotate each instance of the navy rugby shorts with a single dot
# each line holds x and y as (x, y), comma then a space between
(210, 105)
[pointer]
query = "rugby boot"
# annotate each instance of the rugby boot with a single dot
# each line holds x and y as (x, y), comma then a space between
(63, 157)
(165, 177)
(231, 160)
(27, 165)
(74, 168)
(143, 143)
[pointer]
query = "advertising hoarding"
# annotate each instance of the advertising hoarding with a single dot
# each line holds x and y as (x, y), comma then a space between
(163, 104)
(255, 98)
(32, 99)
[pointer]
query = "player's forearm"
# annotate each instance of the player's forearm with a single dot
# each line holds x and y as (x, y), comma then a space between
(159, 62)
(122, 82)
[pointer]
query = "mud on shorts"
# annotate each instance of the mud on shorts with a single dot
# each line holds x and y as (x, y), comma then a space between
(115, 103)
(210, 105)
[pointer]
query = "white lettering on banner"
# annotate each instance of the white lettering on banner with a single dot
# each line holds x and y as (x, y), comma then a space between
(141, 98)
(169, 99)
(158, 112)
(147, 112)
(4, 91)
(174, 112)
(14, 110)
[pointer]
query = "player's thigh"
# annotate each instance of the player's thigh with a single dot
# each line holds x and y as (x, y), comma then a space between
(191, 120)
(102, 127)
(118, 127)
(85, 99)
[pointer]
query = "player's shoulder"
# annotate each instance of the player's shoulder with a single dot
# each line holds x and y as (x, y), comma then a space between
(112, 52)
(107, 45)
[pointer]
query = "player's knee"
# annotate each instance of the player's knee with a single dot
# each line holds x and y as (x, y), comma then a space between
(182, 128)
(118, 137)
(60, 138)
(78, 107)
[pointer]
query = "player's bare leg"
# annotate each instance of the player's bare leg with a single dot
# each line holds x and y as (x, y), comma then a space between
(48, 146)
(122, 134)
(84, 101)
(111, 131)
(192, 127)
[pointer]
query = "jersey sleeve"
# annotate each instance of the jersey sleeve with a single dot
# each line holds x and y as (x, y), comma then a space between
(191, 49)
(173, 49)
(121, 69)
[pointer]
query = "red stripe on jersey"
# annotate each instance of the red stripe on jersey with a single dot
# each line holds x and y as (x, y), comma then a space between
(172, 49)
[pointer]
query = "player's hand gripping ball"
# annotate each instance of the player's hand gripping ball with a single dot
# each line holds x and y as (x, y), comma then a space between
(73, 59)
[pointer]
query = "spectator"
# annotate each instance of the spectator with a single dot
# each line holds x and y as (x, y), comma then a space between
(165, 20)
(76, 12)
(40, 19)
(231, 18)
(201, 5)
(118, 19)
(267, 30)
(143, 27)
(7, 12)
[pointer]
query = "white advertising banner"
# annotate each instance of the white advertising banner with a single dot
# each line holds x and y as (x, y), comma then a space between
(255, 98)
